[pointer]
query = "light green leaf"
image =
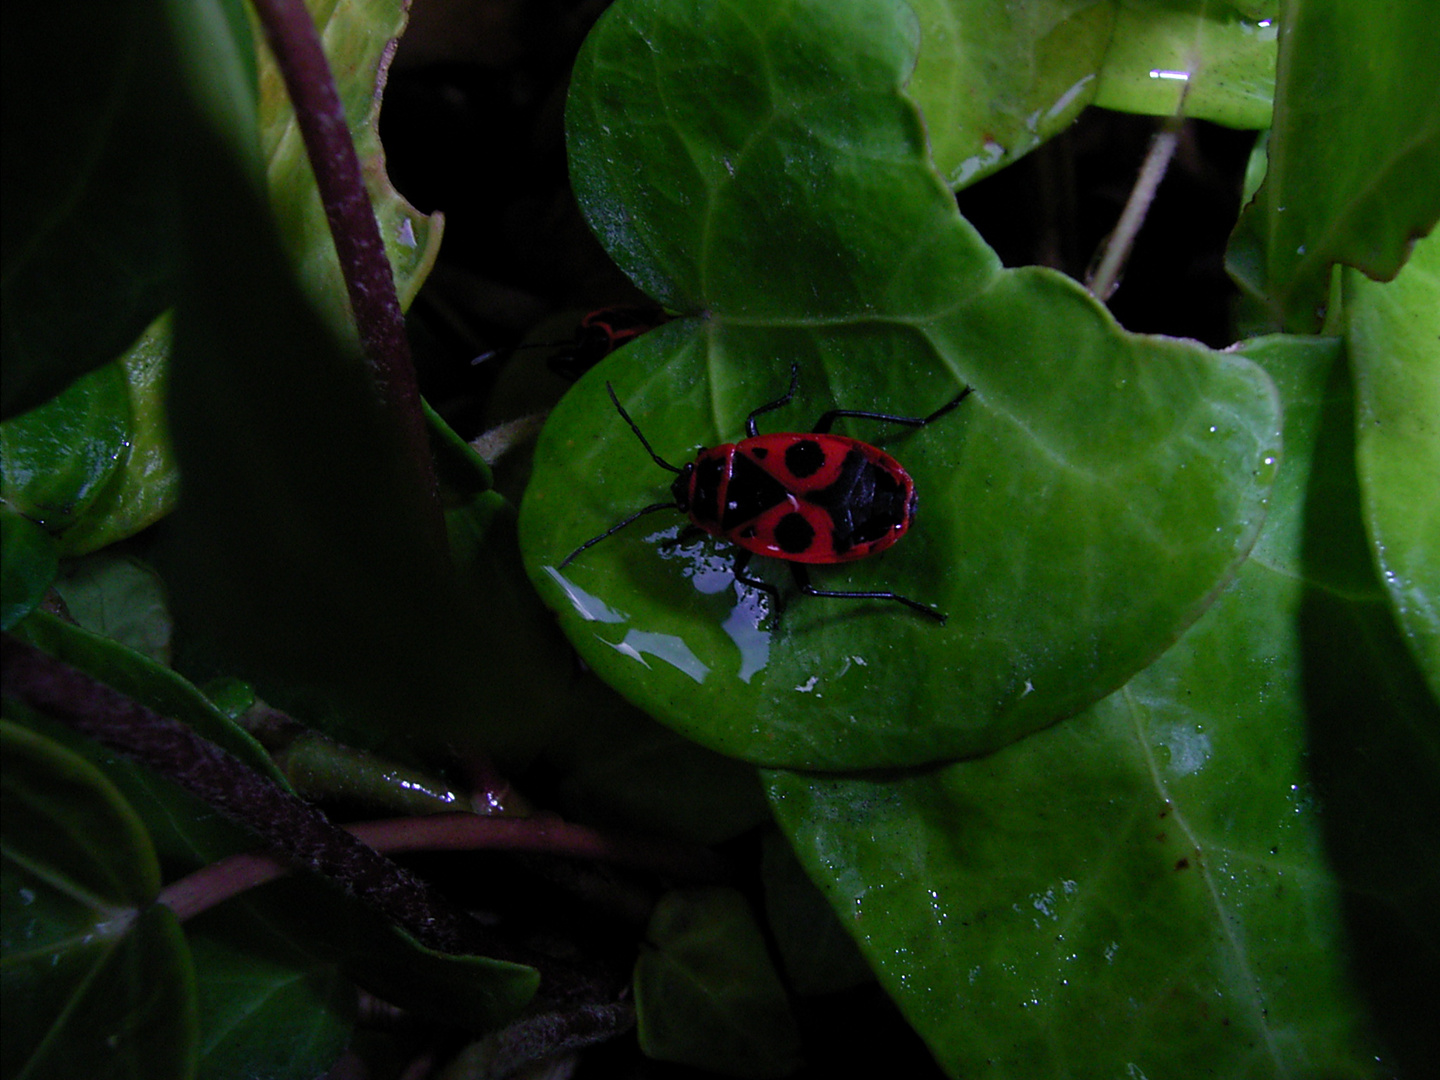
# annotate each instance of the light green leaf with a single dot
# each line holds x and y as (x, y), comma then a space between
(995, 79)
(1393, 331)
(1354, 153)
(1204, 59)
(359, 38)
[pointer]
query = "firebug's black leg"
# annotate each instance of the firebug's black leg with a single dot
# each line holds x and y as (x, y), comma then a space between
(777, 403)
(827, 421)
(742, 560)
(802, 582)
(614, 529)
(684, 536)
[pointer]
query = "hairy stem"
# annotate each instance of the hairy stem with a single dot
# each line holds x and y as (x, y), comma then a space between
(294, 829)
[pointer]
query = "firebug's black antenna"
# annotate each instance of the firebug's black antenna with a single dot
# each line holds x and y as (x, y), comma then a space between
(638, 513)
(639, 435)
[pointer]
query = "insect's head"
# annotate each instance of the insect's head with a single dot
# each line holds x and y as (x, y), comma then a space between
(680, 489)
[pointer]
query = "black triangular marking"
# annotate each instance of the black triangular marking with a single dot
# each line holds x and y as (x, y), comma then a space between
(752, 491)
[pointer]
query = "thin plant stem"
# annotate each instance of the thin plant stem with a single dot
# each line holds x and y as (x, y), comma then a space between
(1103, 282)
(543, 835)
(369, 281)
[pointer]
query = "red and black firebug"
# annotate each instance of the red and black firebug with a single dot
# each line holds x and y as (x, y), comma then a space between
(801, 497)
(601, 332)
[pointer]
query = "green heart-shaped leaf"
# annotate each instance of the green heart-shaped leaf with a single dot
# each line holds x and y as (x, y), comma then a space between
(97, 978)
(1227, 868)
(758, 166)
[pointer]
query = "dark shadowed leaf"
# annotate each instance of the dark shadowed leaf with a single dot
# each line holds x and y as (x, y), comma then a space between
(97, 979)
(30, 562)
(706, 993)
(89, 220)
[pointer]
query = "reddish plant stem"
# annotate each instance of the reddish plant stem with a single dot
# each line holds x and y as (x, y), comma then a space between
(452, 832)
(291, 35)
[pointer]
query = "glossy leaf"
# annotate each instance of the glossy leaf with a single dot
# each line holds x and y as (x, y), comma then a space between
(1225, 868)
(1097, 487)
(93, 464)
(96, 980)
(705, 992)
(326, 771)
(56, 459)
(1354, 153)
(1393, 331)
(30, 563)
(89, 195)
(996, 79)
(1204, 59)
(145, 487)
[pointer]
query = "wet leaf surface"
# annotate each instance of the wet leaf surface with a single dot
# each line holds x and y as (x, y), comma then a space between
(1076, 512)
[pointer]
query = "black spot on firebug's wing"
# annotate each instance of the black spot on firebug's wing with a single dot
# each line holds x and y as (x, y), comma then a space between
(804, 458)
